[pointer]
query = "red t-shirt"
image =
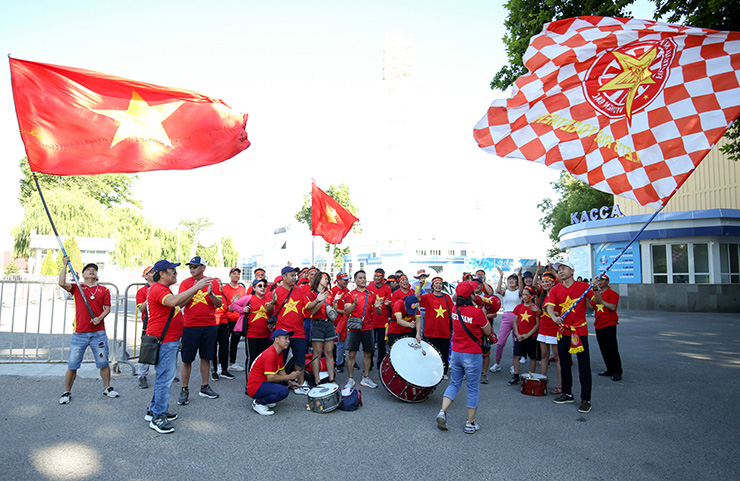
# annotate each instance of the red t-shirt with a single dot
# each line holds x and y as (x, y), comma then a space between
(475, 320)
(340, 303)
(562, 298)
(141, 299)
(360, 307)
(398, 294)
(383, 293)
(158, 314)
(83, 321)
(603, 316)
(321, 313)
(437, 317)
(526, 319)
(547, 325)
(232, 294)
(269, 362)
(291, 315)
(393, 326)
(200, 310)
(256, 322)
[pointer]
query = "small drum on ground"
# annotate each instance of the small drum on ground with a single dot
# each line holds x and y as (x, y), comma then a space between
(534, 384)
(324, 398)
(411, 371)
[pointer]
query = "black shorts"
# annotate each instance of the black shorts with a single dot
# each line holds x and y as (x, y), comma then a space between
(527, 347)
(200, 339)
(355, 338)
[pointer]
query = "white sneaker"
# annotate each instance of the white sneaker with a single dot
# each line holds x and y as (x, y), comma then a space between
(301, 390)
(66, 397)
(495, 368)
(521, 361)
(350, 383)
(367, 382)
(271, 405)
(262, 409)
(511, 370)
(236, 368)
(110, 392)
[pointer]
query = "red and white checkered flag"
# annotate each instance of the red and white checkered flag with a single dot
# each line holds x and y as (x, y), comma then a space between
(629, 106)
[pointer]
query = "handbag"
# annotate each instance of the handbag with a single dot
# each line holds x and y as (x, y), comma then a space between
(149, 351)
(331, 313)
(273, 319)
(484, 342)
(355, 323)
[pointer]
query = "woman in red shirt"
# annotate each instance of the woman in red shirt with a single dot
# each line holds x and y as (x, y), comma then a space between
(322, 329)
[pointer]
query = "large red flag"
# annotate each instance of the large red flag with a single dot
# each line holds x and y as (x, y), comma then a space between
(76, 121)
(328, 218)
(629, 106)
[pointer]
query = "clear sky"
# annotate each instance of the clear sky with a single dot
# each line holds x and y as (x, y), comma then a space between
(310, 76)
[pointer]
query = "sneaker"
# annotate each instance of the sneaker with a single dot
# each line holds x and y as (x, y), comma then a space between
(301, 390)
(214, 376)
(513, 381)
(470, 428)
(110, 392)
(339, 368)
(161, 425)
(445, 377)
(522, 360)
(236, 368)
(227, 375)
(262, 409)
(350, 383)
(367, 382)
(617, 377)
(184, 395)
(511, 370)
(177, 379)
(484, 378)
(66, 397)
(585, 407)
(563, 398)
(605, 373)
(143, 384)
(495, 368)
(206, 391)
(150, 415)
(442, 421)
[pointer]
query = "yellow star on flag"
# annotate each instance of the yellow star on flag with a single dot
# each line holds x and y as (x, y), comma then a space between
(526, 316)
(330, 216)
(635, 72)
(600, 307)
(261, 313)
(440, 312)
(141, 120)
(199, 297)
(290, 306)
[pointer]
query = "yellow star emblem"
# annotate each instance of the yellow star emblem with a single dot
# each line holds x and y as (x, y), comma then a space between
(260, 314)
(635, 72)
(330, 216)
(600, 307)
(440, 312)
(566, 304)
(526, 316)
(141, 121)
(290, 306)
(199, 297)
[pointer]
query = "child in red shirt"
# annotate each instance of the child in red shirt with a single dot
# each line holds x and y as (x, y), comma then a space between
(525, 329)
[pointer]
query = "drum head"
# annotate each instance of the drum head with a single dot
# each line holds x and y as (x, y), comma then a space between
(323, 390)
(538, 377)
(424, 370)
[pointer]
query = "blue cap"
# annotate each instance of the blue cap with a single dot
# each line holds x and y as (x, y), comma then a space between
(196, 261)
(159, 266)
(254, 282)
(281, 332)
(287, 269)
(411, 311)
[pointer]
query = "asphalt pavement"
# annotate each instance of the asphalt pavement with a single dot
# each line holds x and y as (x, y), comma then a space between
(673, 416)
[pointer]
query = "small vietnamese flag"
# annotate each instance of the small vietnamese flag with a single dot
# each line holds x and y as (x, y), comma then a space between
(328, 218)
(79, 122)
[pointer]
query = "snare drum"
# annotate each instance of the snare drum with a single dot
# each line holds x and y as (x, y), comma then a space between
(411, 371)
(534, 384)
(324, 398)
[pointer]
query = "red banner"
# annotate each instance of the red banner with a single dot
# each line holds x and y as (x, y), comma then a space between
(76, 122)
(328, 218)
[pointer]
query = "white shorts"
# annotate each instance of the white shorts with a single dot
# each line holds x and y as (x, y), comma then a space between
(547, 339)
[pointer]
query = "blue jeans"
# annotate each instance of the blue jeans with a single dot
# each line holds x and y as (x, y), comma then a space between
(270, 392)
(165, 374)
(98, 343)
(468, 364)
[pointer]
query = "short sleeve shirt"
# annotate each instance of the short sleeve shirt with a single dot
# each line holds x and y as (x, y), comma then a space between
(475, 320)
(158, 314)
(360, 307)
(269, 362)
(98, 297)
(394, 327)
(290, 317)
(604, 317)
(437, 317)
(384, 294)
(200, 311)
(562, 298)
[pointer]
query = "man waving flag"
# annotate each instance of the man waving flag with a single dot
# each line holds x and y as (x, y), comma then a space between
(76, 122)
(629, 106)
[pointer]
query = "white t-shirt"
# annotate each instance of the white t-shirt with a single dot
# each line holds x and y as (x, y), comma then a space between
(511, 300)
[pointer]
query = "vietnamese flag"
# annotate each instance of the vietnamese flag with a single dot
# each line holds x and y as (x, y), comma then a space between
(79, 122)
(328, 218)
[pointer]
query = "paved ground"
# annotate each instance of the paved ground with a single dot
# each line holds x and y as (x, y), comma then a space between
(674, 416)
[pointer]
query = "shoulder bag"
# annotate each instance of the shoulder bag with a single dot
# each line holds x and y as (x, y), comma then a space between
(149, 351)
(355, 323)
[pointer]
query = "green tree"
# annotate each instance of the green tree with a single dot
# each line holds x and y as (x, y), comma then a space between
(231, 256)
(136, 244)
(49, 267)
(73, 251)
(107, 189)
(11, 269)
(575, 196)
(339, 193)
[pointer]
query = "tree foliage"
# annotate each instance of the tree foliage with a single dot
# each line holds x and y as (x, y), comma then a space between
(72, 248)
(11, 268)
(49, 267)
(575, 196)
(136, 244)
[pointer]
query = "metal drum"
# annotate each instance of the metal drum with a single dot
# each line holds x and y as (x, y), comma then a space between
(534, 384)
(324, 398)
(411, 371)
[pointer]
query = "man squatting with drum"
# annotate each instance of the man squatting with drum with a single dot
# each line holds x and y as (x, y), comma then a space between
(267, 372)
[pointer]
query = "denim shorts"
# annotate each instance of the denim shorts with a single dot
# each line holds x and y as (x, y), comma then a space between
(322, 330)
(200, 339)
(98, 342)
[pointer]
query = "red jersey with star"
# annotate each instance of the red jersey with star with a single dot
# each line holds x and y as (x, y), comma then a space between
(562, 298)
(437, 317)
(83, 321)
(363, 308)
(200, 310)
(603, 316)
(230, 295)
(269, 362)
(340, 303)
(393, 326)
(256, 322)
(158, 314)
(291, 315)
(547, 325)
(384, 294)
(526, 318)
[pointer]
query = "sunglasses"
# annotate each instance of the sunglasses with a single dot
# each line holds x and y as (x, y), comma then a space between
(193, 267)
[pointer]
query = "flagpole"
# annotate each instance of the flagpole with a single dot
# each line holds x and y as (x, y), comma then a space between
(61, 245)
(313, 237)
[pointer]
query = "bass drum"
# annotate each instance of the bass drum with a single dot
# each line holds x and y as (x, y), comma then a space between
(411, 371)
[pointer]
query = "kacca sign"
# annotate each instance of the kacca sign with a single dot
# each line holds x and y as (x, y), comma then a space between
(605, 212)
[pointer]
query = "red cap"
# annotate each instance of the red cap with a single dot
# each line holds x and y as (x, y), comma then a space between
(465, 289)
(146, 271)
